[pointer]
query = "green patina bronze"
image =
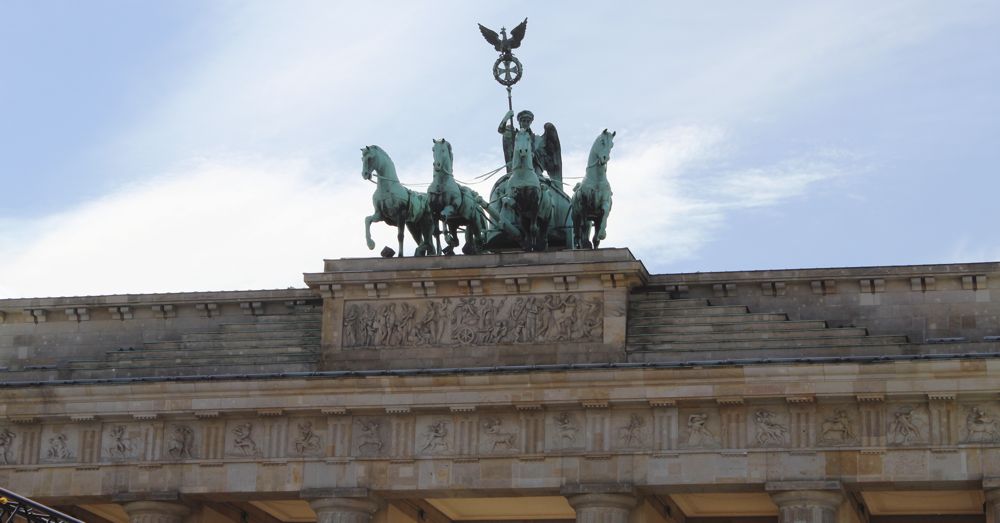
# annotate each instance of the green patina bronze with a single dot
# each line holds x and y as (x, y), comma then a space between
(454, 205)
(528, 207)
(592, 196)
(394, 204)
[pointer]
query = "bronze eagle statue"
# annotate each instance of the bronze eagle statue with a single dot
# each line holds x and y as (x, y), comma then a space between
(501, 42)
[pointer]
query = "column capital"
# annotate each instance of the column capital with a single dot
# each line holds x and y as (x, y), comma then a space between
(602, 501)
(344, 509)
(829, 499)
(155, 511)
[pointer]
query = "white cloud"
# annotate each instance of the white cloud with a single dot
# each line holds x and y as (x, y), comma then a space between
(256, 223)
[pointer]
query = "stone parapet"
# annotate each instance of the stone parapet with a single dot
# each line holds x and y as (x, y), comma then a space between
(943, 303)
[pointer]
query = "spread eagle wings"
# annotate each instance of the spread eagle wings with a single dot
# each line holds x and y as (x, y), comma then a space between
(517, 34)
(501, 45)
(491, 36)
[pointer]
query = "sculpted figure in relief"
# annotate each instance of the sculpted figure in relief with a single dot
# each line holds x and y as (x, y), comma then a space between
(837, 429)
(181, 442)
(473, 321)
(6, 446)
(307, 441)
(566, 428)
(698, 433)
(435, 438)
(904, 428)
(58, 448)
(769, 431)
(368, 436)
(122, 446)
(631, 434)
(981, 426)
(500, 439)
(243, 440)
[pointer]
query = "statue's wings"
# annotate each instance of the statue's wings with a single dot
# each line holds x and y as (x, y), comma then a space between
(553, 152)
(517, 34)
(492, 37)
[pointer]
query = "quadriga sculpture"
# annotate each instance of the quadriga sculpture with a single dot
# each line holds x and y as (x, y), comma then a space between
(394, 204)
(592, 196)
(454, 205)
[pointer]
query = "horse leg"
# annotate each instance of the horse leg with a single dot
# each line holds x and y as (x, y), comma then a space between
(437, 237)
(585, 233)
(368, 228)
(598, 227)
(605, 212)
(400, 229)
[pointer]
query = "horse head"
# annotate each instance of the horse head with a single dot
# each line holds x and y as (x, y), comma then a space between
(369, 161)
(442, 156)
(600, 153)
(522, 151)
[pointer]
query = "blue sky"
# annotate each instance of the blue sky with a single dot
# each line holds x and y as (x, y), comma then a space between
(206, 145)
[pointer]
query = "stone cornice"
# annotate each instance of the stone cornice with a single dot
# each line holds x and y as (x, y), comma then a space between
(913, 381)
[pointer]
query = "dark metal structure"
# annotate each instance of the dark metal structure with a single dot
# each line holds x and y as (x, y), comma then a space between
(15, 508)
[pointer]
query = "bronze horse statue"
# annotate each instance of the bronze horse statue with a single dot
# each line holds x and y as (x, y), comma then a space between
(453, 205)
(592, 196)
(394, 204)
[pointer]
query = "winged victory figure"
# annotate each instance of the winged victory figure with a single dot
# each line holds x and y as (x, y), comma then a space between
(501, 42)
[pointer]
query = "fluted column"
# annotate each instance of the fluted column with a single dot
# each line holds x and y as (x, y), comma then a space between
(807, 506)
(155, 512)
(344, 510)
(602, 508)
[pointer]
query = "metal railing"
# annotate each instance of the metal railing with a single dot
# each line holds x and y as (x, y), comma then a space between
(15, 508)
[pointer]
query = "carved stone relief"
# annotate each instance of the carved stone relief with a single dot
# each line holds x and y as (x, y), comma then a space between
(243, 442)
(838, 427)
(58, 446)
(564, 431)
(769, 429)
(7, 438)
(498, 433)
(118, 443)
(180, 442)
(700, 429)
(907, 426)
(981, 426)
(434, 436)
(370, 436)
(474, 321)
(307, 440)
(632, 430)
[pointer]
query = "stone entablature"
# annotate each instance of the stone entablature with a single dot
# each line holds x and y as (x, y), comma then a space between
(538, 430)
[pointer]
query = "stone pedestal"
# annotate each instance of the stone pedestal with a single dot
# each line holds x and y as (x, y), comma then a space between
(155, 512)
(807, 506)
(602, 508)
(344, 510)
(471, 311)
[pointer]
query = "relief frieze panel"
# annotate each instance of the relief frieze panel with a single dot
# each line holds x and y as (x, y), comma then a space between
(481, 433)
(838, 426)
(482, 320)
(499, 434)
(908, 425)
(8, 449)
(565, 431)
(700, 429)
(981, 425)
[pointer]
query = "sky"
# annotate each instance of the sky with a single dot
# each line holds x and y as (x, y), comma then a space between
(198, 145)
